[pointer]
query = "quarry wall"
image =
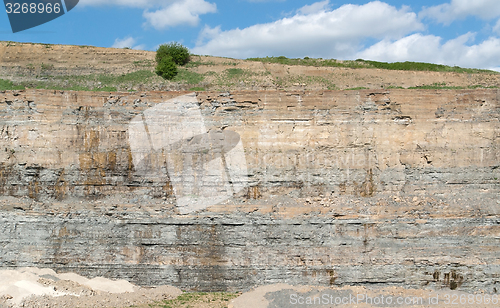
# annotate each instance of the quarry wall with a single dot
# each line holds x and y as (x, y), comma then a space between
(224, 191)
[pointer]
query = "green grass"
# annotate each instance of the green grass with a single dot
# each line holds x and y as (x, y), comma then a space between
(197, 89)
(310, 62)
(420, 66)
(134, 77)
(188, 77)
(8, 85)
(478, 86)
(356, 88)
(234, 72)
(102, 82)
(108, 83)
(232, 76)
(105, 89)
(437, 86)
(110, 80)
(189, 299)
(360, 63)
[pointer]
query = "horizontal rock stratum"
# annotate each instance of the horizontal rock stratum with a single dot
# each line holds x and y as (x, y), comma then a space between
(225, 191)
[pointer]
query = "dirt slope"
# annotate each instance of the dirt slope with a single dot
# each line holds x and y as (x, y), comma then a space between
(59, 66)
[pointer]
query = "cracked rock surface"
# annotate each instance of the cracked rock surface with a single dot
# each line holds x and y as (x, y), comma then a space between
(394, 187)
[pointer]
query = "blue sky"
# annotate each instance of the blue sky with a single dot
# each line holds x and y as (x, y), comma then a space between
(454, 32)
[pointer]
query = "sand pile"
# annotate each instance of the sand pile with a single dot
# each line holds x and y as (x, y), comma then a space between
(33, 287)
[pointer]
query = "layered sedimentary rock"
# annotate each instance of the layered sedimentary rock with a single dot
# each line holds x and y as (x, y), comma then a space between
(224, 191)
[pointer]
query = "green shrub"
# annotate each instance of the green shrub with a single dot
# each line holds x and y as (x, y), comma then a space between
(166, 68)
(179, 53)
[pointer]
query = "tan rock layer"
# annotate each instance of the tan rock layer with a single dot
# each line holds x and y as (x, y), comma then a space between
(75, 144)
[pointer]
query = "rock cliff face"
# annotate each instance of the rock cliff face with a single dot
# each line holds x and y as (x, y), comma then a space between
(224, 191)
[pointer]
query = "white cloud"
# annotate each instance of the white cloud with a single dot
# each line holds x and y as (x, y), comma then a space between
(314, 8)
(430, 48)
(126, 42)
(460, 9)
(162, 14)
(313, 31)
(182, 12)
(496, 28)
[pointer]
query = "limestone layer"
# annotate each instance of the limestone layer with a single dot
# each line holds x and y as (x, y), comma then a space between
(224, 191)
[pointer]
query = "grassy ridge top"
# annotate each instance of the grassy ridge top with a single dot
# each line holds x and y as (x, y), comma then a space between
(360, 63)
(87, 68)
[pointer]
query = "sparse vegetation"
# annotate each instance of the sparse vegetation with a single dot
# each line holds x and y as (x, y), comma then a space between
(102, 82)
(356, 88)
(144, 63)
(47, 66)
(106, 82)
(478, 86)
(234, 72)
(360, 63)
(198, 63)
(134, 77)
(188, 77)
(8, 85)
(226, 74)
(420, 66)
(437, 86)
(310, 62)
(197, 89)
(194, 299)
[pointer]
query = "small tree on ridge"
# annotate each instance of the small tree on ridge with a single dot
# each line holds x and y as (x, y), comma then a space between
(179, 53)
